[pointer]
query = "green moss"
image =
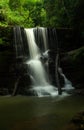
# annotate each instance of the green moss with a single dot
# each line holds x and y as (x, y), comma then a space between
(76, 55)
(1, 41)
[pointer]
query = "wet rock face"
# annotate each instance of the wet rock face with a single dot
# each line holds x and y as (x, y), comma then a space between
(20, 78)
(24, 84)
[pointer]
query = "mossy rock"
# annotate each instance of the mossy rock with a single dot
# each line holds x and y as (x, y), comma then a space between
(77, 122)
(76, 56)
(72, 64)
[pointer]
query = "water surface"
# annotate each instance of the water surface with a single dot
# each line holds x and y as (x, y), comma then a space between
(33, 113)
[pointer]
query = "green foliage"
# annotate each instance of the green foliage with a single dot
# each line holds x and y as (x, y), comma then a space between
(5, 36)
(52, 13)
(78, 17)
(14, 4)
(1, 41)
(64, 13)
(26, 13)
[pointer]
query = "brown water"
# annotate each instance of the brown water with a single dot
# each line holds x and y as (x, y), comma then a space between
(33, 113)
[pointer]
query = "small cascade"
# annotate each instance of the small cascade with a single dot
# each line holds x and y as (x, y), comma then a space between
(67, 84)
(41, 84)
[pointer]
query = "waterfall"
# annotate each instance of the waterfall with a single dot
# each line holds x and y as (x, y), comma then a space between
(37, 52)
(67, 84)
(41, 85)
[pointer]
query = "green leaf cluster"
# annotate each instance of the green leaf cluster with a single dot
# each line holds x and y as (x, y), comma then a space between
(26, 13)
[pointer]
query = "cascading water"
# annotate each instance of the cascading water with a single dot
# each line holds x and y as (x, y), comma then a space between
(34, 47)
(41, 84)
(67, 84)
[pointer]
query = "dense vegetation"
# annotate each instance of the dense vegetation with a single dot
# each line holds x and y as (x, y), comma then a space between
(52, 13)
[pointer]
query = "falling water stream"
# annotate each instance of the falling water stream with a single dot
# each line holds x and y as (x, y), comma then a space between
(40, 86)
(67, 83)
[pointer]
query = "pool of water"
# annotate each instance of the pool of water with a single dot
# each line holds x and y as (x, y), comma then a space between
(33, 113)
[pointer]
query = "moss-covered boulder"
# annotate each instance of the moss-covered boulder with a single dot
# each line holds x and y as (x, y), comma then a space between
(73, 66)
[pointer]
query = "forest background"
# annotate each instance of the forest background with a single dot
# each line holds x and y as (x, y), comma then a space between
(46, 13)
